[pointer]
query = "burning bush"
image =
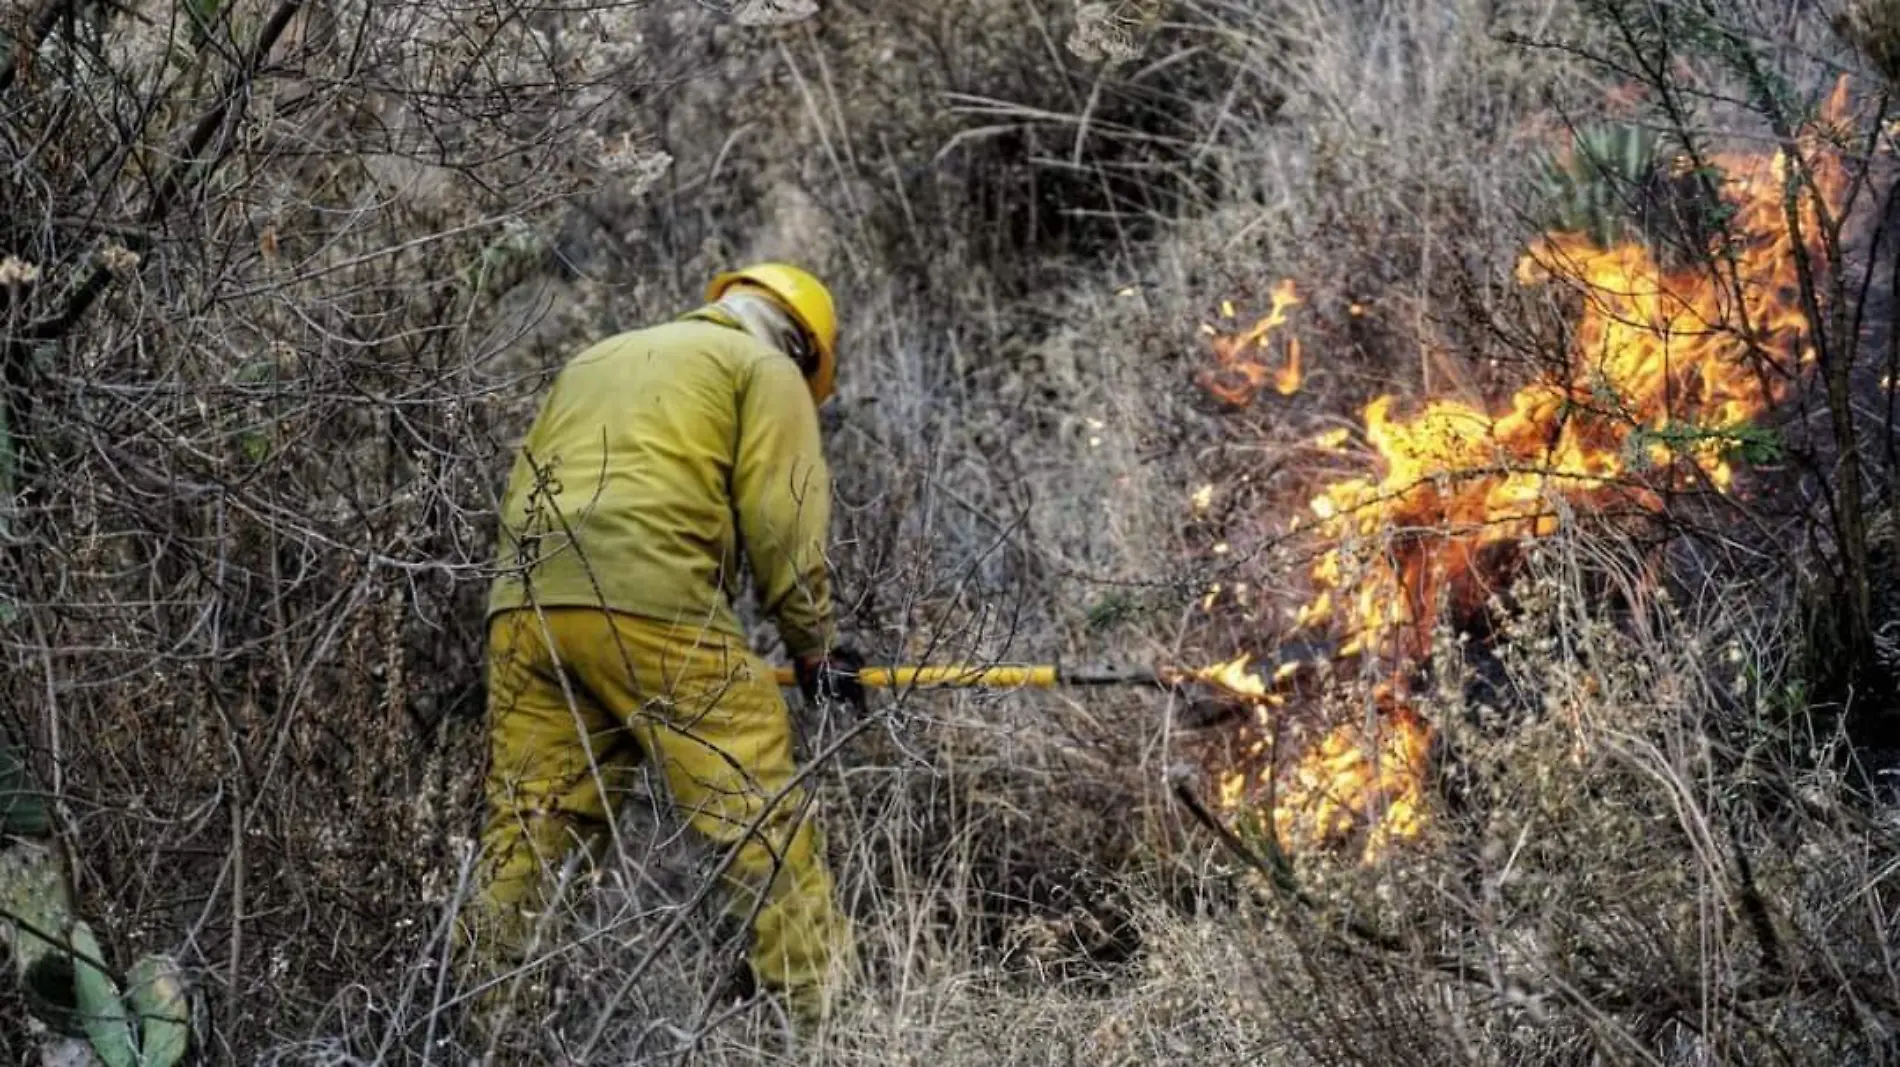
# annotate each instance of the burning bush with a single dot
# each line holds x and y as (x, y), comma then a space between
(1669, 370)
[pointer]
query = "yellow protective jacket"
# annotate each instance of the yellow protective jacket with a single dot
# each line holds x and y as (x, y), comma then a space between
(658, 459)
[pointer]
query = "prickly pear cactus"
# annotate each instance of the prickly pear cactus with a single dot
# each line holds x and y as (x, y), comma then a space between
(33, 892)
(145, 1025)
(57, 959)
(98, 1005)
(162, 1010)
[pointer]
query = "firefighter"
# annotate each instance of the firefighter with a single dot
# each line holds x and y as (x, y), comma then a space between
(662, 461)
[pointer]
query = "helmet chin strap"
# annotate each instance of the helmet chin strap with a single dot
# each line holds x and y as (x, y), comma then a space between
(764, 319)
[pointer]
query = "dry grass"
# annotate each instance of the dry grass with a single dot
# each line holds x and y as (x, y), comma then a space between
(1632, 872)
(1641, 859)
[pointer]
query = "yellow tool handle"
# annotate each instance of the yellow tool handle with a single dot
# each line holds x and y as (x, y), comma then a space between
(951, 676)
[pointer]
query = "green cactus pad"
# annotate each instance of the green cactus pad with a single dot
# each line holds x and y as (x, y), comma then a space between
(101, 1008)
(38, 908)
(158, 997)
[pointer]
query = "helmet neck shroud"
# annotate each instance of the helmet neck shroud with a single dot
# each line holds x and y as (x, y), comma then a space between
(763, 317)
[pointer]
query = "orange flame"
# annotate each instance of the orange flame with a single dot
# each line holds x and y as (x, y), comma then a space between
(1368, 775)
(1234, 677)
(1667, 367)
(1239, 377)
(1360, 782)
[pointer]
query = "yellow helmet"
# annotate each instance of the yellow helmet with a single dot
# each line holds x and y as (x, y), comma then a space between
(807, 300)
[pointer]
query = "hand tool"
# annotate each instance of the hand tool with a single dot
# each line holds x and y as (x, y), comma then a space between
(1274, 671)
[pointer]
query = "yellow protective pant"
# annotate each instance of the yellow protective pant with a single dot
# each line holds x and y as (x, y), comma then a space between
(577, 697)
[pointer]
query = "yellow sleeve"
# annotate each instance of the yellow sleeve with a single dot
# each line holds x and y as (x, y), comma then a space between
(781, 491)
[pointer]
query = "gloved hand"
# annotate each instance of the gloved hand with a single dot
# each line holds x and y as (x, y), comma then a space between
(832, 678)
